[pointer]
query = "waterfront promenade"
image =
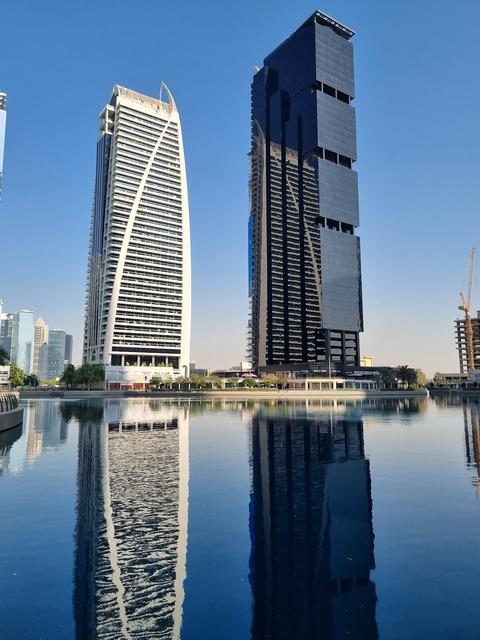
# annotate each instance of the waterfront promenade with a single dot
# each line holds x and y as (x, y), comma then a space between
(237, 394)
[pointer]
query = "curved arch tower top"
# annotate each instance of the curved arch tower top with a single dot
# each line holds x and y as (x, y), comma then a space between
(138, 297)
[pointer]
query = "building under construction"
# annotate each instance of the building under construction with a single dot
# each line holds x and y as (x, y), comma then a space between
(468, 330)
(461, 338)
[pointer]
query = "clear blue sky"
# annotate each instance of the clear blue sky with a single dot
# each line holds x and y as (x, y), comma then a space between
(418, 136)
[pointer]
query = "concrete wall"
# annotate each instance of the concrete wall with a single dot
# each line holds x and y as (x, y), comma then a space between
(10, 419)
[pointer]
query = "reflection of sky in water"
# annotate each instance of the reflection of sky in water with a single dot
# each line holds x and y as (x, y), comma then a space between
(374, 520)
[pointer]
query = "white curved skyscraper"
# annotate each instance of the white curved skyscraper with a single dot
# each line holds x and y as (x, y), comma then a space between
(138, 292)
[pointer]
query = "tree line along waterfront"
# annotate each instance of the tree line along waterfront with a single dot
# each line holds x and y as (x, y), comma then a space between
(391, 378)
(82, 377)
(88, 377)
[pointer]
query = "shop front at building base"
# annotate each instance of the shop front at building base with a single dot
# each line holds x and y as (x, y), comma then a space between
(132, 378)
(333, 384)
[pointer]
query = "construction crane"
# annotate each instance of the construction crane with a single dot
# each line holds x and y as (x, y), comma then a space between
(465, 306)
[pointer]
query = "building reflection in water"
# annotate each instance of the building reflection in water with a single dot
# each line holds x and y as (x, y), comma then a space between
(41, 431)
(131, 536)
(471, 423)
(311, 528)
(45, 431)
(471, 428)
(7, 440)
(88, 415)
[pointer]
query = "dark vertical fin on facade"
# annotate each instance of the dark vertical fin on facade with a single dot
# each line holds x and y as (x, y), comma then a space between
(284, 115)
(301, 232)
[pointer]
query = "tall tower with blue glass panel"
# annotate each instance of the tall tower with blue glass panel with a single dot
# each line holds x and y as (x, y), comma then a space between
(305, 281)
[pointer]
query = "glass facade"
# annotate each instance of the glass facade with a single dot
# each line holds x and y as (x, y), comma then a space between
(22, 340)
(40, 348)
(6, 331)
(305, 281)
(68, 348)
(55, 354)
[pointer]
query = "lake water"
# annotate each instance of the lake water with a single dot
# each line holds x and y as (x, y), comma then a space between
(319, 519)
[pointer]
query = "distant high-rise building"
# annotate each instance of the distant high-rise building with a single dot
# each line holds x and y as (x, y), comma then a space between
(3, 124)
(6, 330)
(305, 281)
(40, 348)
(68, 349)
(22, 340)
(138, 297)
(55, 354)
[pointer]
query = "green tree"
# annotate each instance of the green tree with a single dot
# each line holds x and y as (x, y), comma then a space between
(402, 374)
(215, 382)
(388, 377)
(31, 380)
(438, 380)
(411, 375)
(89, 373)
(270, 380)
(411, 378)
(17, 376)
(421, 379)
(155, 382)
(248, 383)
(81, 375)
(69, 376)
(98, 372)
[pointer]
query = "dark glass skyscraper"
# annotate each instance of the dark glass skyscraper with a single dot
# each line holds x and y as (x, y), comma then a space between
(55, 354)
(305, 280)
(68, 348)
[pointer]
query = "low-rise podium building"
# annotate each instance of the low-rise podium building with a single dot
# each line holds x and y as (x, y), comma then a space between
(132, 378)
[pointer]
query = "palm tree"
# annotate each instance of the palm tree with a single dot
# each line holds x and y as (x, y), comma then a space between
(68, 377)
(388, 376)
(403, 373)
(31, 380)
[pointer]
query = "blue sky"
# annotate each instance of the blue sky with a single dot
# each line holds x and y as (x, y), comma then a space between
(418, 140)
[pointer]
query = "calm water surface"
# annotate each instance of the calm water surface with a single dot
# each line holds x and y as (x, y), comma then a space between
(126, 519)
